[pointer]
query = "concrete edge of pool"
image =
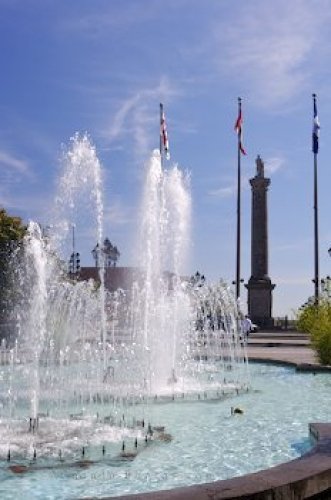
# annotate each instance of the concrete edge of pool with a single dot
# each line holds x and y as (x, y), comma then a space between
(308, 476)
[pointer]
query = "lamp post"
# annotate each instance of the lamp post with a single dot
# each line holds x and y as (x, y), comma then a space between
(74, 261)
(96, 255)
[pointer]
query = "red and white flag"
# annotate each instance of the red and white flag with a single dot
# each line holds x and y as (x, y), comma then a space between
(164, 134)
(238, 129)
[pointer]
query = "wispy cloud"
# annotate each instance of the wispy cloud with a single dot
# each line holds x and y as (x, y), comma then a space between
(118, 126)
(223, 192)
(294, 281)
(16, 179)
(117, 214)
(269, 48)
(5, 201)
(95, 24)
(286, 247)
(272, 165)
(14, 168)
(230, 189)
(137, 116)
(29, 204)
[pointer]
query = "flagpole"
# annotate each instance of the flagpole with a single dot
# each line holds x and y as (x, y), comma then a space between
(161, 147)
(316, 252)
(238, 207)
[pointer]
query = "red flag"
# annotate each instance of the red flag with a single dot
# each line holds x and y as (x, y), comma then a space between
(238, 129)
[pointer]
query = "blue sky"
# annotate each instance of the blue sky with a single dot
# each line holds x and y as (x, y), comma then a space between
(103, 66)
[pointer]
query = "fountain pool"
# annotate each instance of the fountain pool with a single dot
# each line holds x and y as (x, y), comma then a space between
(105, 393)
(207, 442)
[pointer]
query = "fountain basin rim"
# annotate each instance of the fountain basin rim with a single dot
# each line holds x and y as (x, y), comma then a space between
(301, 478)
(299, 367)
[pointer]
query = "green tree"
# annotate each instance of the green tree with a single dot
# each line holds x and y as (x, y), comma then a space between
(12, 232)
(316, 320)
(306, 317)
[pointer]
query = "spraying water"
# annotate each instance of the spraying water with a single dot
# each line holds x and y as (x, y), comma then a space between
(168, 338)
(81, 180)
(164, 239)
(37, 270)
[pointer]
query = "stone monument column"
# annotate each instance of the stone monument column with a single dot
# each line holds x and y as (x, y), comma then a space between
(259, 285)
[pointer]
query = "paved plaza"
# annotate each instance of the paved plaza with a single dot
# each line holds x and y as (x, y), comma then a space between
(282, 346)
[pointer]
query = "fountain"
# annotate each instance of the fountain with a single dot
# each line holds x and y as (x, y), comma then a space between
(104, 393)
(88, 365)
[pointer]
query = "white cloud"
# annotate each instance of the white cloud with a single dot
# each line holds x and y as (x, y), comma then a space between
(292, 281)
(268, 48)
(15, 177)
(13, 164)
(35, 207)
(291, 246)
(230, 189)
(138, 116)
(117, 214)
(223, 192)
(272, 165)
(5, 201)
(117, 126)
(121, 19)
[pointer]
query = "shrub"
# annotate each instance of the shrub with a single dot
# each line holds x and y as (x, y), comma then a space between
(306, 318)
(316, 320)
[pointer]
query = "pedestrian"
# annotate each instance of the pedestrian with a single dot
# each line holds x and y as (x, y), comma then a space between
(246, 326)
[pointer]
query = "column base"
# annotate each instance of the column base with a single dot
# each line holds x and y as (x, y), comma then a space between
(260, 301)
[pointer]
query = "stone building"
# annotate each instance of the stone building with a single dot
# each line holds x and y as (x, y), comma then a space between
(115, 277)
(120, 277)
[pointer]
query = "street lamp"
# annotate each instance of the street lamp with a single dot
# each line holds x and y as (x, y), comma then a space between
(74, 261)
(96, 254)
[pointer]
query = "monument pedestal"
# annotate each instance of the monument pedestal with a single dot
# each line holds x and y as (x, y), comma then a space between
(260, 301)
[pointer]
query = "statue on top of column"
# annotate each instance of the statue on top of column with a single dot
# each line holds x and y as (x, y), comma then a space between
(259, 166)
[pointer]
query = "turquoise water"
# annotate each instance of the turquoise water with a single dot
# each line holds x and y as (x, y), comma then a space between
(208, 443)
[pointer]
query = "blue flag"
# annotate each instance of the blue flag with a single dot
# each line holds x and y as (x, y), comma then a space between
(316, 129)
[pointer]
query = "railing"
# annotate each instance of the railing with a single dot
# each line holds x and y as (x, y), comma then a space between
(284, 323)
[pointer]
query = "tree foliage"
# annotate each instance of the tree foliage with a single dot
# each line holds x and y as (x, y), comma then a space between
(316, 320)
(307, 317)
(12, 232)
